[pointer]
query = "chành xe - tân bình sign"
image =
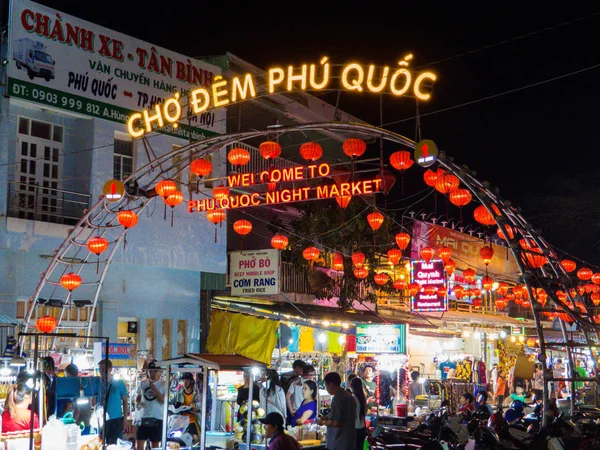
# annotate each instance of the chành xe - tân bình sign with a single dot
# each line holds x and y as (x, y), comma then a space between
(397, 81)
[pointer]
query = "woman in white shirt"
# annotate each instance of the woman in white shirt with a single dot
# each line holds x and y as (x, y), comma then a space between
(272, 397)
(358, 393)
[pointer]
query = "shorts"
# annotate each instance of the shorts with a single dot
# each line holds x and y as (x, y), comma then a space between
(154, 434)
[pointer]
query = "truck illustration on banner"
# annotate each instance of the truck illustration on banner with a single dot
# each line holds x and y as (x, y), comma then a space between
(33, 57)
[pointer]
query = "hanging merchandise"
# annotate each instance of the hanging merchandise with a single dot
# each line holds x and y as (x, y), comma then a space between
(307, 341)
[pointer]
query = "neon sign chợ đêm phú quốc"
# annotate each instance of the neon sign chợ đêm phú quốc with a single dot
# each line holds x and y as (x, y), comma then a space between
(353, 77)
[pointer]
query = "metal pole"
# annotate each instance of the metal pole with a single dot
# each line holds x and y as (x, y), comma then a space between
(40, 410)
(107, 393)
(204, 391)
(249, 411)
(213, 421)
(166, 407)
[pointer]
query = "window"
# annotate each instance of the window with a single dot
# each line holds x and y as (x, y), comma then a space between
(123, 156)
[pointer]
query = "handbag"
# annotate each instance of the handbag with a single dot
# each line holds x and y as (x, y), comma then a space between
(149, 422)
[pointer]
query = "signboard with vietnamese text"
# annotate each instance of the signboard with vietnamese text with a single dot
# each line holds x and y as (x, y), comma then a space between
(254, 272)
(431, 276)
(465, 249)
(381, 338)
(121, 355)
(64, 62)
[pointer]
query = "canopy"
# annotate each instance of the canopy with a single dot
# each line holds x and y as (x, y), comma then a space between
(214, 362)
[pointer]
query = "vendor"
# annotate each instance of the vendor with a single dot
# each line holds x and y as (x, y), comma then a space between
(187, 395)
(308, 408)
(274, 431)
(368, 380)
(17, 415)
(243, 394)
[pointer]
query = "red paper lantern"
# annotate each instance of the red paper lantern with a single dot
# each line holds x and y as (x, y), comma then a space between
(509, 232)
(387, 181)
(279, 242)
(476, 302)
(400, 284)
(584, 274)
(526, 244)
(46, 324)
(311, 253)
(215, 215)
(469, 275)
(358, 259)
(595, 297)
(486, 253)
(271, 186)
(220, 192)
(500, 303)
(535, 259)
(164, 188)
(401, 160)
(343, 201)
(459, 292)
(70, 281)
(375, 220)
(97, 245)
(269, 150)
(127, 218)
(503, 288)
(338, 262)
(402, 239)
(413, 289)
(394, 256)
(340, 174)
(476, 292)
(483, 216)
(442, 292)
(361, 272)
(430, 177)
(542, 296)
(311, 151)
(447, 183)
(381, 278)
(174, 199)
(444, 254)
(238, 156)
(427, 253)
(518, 291)
(200, 167)
(354, 147)
(242, 227)
(568, 265)
(561, 295)
(487, 283)
(460, 197)
(450, 266)
(596, 278)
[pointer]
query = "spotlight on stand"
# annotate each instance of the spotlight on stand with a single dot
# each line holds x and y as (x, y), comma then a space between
(81, 303)
(53, 302)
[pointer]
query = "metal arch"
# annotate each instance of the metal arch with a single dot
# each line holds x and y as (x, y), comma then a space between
(163, 166)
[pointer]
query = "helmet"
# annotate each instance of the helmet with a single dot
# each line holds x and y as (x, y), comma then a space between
(518, 404)
(513, 415)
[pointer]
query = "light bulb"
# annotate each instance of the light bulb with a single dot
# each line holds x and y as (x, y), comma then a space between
(326, 323)
(322, 337)
(291, 341)
(466, 333)
(502, 334)
(513, 339)
(342, 339)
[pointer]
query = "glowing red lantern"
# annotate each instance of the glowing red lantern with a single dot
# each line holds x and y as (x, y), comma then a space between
(402, 239)
(340, 175)
(476, 292)
(338, 261)
(430, 177)
(450, 266)
(476, 302)
(354, 147)
(164, 188)
(343, 201)
(46, 324)
(518, 291)
(311, 253)
(542, 296)
(361, 272)
(381, 278)
(469, 275)
(535, 259)
(271, 186)
(394, 256)
(509, 232)
(596, 278)
(442, 292)
(584, 274)
(200, 167)
(242, 227)
(568, 265)
(500, 304)
(97, 245)
(444, 253)
(311, 151)
(70, 281)
(375, 220)
(413, 289)
(561, 295)
(429, 290)
(595, 297)
(400, 284)
(279, 242)
(215, 215)
(487, 283)
(401, 160)
(427, 253)
(447, 183)
(238, 156)
(358, 259)
(127, 218)
(460, 197)
(503, 288)
(220, 192)
(526, 244)
(486, 253)
(269, 150)
(483, 216)
(174, 199)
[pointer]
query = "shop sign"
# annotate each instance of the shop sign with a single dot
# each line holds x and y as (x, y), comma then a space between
(381, 338)
(121, 355)
(427, 274)
(61, 61)
(426, 153)
(517, 330)
(465, 249)
(254, 272)
(113, 190)
(280, 176)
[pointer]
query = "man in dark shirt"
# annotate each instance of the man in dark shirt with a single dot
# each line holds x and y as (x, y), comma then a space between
(341, 423)
(274, 430)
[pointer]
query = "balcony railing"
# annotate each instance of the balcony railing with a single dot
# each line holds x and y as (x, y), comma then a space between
(45, 204)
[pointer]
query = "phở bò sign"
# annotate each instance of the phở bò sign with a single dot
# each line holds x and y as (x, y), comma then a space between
(254, 272)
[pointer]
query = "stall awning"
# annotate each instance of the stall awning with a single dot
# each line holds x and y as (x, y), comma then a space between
(216, 362)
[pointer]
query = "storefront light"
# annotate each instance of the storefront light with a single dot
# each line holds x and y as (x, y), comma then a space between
(291, 341)
(521, 338)
(502, 334)
(326, 323)
(322, 338)
(5, 371)
(513, 339)
(255, 371)
(342, 339)
(345, 326)
(495, 285)
(466, 333)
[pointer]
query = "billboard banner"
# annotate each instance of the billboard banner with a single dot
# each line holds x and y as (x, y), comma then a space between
(465, 249)
(433, 276)
(121, 355)
(61, 61)
(380, 338)
(254, 272)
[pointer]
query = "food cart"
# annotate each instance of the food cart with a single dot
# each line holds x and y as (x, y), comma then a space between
(204, 363)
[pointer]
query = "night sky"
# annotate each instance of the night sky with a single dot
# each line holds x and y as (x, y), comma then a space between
(538, 145)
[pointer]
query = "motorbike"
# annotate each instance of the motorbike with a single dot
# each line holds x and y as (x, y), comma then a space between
(178, 424)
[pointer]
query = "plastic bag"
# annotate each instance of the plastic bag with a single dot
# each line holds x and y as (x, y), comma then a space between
(138, 415)
(54, 435)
